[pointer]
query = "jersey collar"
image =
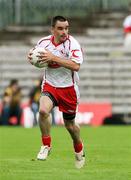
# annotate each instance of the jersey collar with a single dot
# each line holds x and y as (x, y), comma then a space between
(55, 44)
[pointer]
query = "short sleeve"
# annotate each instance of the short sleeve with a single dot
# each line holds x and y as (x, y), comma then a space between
(76, 53)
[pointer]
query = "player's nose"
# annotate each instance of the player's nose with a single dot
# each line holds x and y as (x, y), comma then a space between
(64, 32)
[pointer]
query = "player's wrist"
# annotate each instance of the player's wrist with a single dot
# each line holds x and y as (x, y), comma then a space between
(54, 58)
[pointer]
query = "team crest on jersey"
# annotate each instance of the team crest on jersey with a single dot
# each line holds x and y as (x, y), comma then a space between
(74, 53)
(63, 53)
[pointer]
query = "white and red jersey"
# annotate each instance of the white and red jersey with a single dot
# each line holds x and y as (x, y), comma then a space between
(127, 24)
(55, 74)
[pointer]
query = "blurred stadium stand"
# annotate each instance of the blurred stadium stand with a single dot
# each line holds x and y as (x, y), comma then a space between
(32, 12)
(106, 72)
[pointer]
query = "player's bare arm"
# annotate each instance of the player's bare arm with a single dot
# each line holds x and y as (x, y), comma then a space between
(49, 57)
(66, 63)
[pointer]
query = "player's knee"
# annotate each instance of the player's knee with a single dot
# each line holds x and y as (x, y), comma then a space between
(69, 127)
(43, 113)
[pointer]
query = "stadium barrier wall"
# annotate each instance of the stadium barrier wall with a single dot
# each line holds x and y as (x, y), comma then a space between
(88, 114)
(91, 114)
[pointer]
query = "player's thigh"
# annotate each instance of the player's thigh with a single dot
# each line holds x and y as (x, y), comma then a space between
(69, 119)
(46, 104)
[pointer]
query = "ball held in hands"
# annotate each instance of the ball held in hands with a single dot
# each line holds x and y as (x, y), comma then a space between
(35, 59)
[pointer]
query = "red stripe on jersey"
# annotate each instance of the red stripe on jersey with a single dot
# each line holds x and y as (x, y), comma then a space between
(73, 77)
(53, 65)
(69, 42)
(53, 42)
(44, 40)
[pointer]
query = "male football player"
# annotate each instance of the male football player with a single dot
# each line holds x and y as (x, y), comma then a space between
(59, 87)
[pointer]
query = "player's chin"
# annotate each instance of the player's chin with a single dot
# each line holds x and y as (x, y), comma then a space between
(63, 38)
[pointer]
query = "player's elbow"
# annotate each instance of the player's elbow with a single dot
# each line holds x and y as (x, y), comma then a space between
(76, 67)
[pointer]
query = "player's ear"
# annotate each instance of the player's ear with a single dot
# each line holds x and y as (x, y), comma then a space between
(52, 30)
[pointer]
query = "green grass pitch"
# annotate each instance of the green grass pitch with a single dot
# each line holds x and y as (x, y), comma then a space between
(108, 154)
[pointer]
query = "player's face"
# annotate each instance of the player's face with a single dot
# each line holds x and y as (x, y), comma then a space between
(15, 87)
(60, 31)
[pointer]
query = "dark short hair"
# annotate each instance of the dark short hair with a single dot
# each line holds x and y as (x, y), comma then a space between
(13, 81)
(57, 18)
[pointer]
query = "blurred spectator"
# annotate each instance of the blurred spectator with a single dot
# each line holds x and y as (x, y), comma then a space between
(11, 104)
(127, 29)
(34, 98)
